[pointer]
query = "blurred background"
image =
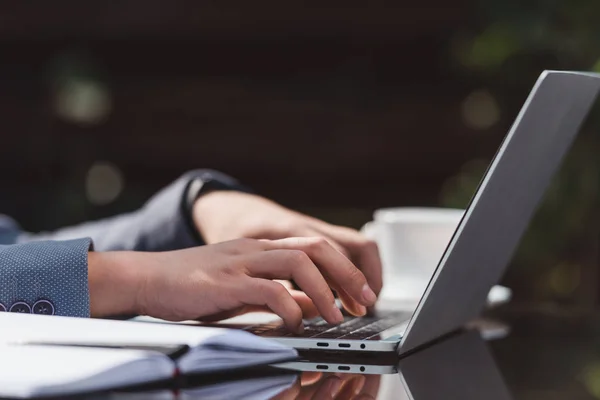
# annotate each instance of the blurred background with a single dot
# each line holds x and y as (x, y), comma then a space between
(332, 108)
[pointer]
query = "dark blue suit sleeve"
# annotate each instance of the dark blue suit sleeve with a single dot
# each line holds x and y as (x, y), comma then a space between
(45, 277)
(162, 224)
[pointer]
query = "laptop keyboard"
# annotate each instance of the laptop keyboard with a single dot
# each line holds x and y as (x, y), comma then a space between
(352, 328)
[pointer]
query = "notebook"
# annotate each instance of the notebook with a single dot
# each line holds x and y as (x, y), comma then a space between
(43, 371)
(189, 349)
(257, 388)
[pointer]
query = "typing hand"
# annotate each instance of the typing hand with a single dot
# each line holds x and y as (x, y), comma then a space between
(211, 281)
(228, 215)
(317, 386)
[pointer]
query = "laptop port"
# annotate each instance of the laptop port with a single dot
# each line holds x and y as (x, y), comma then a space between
(346, 345)
(321, 344)
(344, 368)
(322, 366)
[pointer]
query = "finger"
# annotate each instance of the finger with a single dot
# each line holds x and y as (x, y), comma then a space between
(338, 268)
(287, 284)
(316, 232)
(310, 377)
(296, 265)
(364, 396)
(259, 292)
(328, 388)
(351, 388)
(361, 249)
(351, 305)
(348, 302)
(290, 393)
(306, 304)
(371, 386)
(354, 308)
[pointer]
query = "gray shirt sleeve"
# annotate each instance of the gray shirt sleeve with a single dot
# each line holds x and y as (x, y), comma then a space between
(162, 224)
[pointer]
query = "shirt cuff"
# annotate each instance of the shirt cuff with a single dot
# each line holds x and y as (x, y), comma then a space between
(205, 182)
(166, 223)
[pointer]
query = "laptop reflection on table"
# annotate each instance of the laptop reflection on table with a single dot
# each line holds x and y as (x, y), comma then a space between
(459, 367)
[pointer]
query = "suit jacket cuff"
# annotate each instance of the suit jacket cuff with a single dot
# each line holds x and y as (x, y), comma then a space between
(55, 272)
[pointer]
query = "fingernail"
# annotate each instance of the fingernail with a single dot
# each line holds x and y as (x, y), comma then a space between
(337, 315)
(362, 310)
(300, 329)
(368, 294)
(334, 387)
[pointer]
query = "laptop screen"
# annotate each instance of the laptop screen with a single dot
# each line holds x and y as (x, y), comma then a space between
(503, 205)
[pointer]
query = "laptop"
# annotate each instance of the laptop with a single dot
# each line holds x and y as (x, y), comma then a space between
(486, 238)
(461, 367)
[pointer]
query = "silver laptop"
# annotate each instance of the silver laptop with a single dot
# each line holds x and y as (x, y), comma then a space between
(461, 367)
(486, 238)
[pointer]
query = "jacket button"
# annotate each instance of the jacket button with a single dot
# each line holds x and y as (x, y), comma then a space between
(43, 307)
(2, 308)
(21, 308)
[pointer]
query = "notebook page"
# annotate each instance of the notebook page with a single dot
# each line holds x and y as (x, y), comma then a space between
(262, 388)
(27, 371)
(214, 349)
(30, 327)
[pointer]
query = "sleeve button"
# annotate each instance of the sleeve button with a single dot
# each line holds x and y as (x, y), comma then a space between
(21, 308)
(43, 307)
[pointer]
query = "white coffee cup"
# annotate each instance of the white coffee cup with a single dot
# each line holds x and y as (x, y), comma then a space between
(411, 243)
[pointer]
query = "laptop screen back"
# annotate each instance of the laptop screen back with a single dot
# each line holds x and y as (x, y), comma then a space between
(503, 205)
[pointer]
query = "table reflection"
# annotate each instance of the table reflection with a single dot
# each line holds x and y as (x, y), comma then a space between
(458, 367)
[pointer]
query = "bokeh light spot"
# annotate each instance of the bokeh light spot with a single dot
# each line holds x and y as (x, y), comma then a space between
(104, 183)
(565, 278)
(591, 379)
(82, 101)
(480, 111)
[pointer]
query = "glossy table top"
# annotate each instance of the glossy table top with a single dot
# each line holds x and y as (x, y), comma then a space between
(548, 353)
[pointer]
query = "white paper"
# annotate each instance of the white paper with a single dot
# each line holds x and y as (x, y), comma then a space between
(262, 388)
(213, 349)
(29, 371)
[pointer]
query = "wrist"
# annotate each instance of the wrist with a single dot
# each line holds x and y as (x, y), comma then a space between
(115, 283)
(201, 187)
(203, 210)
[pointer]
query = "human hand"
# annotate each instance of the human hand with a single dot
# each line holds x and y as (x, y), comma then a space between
(227, 215)
(318, 386)
(211, 281)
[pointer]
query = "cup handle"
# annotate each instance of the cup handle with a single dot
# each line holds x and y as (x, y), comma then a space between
(368, 230)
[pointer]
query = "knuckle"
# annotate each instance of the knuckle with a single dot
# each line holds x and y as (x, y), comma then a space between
(277, 291)
(356, 276)
(317, 243)
(370, 244)
(246, 242)
(240, 246)
(324, 292)
(297, 257)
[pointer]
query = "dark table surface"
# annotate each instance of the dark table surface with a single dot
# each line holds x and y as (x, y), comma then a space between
(549, 353)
